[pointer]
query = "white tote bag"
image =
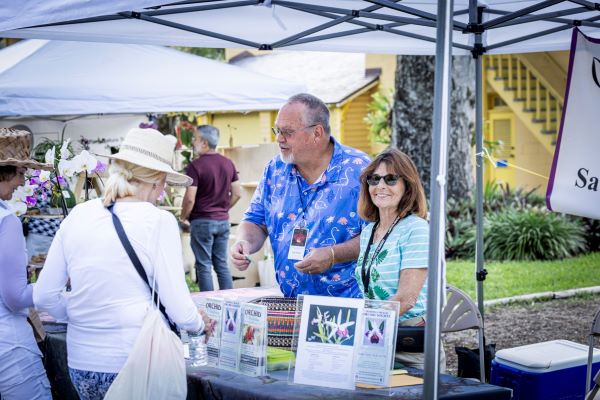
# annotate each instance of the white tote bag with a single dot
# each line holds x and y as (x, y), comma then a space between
(155, 368)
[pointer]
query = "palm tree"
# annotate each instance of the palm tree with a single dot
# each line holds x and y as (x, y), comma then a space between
(413, 111)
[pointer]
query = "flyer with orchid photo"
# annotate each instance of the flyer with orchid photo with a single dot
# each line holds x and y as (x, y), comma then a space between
(230, 335)
(253, 347)
(326, 341)
(375, 346)
(214, 308)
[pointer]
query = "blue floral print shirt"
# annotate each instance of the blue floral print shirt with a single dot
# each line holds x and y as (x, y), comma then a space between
(284, 201)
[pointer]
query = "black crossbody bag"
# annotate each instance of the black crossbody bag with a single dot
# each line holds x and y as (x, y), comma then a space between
(411, 339)
(138, 265)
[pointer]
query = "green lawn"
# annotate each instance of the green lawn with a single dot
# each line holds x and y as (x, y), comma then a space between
(507, 279)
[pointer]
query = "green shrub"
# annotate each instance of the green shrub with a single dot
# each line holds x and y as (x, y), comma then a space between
(532, 234)
(460, 229)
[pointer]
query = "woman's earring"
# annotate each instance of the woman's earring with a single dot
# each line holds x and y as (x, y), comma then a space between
(154, 186)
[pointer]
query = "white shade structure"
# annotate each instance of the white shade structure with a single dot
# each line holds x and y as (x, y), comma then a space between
(374, 26)
(41, 78)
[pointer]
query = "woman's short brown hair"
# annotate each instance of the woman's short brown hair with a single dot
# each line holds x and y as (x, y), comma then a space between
(7, 172)
(413, 200)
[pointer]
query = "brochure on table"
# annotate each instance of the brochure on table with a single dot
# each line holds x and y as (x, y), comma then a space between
(230, 335)
(253, 348)
(377, 343)
(214, 308)
(339, 344)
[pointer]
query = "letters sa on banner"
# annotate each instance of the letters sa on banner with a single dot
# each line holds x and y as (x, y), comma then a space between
(573, 187)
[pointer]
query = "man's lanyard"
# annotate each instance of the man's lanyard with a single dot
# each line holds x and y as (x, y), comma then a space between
(305, 205)
(365, 273)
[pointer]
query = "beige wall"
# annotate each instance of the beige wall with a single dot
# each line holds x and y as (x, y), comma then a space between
(529, 154)
(387, 63)
(561, 58)
(237, 129)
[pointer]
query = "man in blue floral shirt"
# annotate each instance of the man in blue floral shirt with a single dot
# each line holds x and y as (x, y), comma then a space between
(306, 204)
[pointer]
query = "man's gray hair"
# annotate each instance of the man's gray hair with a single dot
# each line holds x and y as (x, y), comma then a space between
(210, 134)
(318, 113)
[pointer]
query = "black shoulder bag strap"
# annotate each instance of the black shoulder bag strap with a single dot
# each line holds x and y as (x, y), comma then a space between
(138, 265)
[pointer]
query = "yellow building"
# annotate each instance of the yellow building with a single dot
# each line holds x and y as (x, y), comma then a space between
(523, 100)
(345, 82)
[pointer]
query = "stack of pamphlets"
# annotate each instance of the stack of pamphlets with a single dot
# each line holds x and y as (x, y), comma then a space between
(252, 351)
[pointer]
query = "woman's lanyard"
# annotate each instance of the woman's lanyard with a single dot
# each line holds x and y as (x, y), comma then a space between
(365, 273)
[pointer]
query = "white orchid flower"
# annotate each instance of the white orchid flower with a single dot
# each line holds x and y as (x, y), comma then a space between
(29, 190)
(64, 150)
(84, 162)
(50, 155)
(339, 329)
(19, 195)
(66, 168)
(44, 176)
(17, 207)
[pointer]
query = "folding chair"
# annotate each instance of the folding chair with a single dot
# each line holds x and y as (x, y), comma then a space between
(460, 313)
(594, 331)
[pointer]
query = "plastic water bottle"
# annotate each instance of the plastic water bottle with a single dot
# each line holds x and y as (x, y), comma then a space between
(197, 348)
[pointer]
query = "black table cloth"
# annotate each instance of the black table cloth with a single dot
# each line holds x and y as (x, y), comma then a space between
(213, 383)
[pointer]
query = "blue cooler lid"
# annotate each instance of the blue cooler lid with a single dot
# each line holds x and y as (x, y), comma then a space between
(546, 356)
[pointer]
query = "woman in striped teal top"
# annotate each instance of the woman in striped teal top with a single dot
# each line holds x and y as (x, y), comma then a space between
(394, 247)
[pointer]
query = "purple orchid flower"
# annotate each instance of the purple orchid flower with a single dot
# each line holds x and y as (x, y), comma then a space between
(31, 201)
(100, 167)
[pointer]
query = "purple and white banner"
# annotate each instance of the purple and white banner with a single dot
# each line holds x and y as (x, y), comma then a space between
(573, 185)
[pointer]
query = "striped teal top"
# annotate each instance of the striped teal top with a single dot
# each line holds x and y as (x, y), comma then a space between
(406, 247)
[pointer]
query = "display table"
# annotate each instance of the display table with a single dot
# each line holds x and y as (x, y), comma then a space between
(212, 383)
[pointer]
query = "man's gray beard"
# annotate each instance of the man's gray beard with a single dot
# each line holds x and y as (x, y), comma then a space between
(287, 159)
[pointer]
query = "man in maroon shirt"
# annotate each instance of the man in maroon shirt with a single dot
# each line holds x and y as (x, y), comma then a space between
(215, 189)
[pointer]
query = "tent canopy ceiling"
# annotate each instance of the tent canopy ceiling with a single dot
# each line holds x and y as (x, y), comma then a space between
(374, 26)
(39, 77)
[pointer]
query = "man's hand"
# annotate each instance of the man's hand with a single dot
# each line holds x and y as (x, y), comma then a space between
(239, 254)
(184, 225)
(317, 261)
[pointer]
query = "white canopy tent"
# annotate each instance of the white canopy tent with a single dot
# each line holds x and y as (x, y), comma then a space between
(41, 78)
(376, 26)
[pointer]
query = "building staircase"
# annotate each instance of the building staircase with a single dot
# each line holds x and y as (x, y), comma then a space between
(532, 86)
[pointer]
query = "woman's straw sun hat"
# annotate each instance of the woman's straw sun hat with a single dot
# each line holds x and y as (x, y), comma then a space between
(151, 149)
(15, 147)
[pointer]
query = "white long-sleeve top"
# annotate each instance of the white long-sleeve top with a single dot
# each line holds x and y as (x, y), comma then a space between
(108, 299)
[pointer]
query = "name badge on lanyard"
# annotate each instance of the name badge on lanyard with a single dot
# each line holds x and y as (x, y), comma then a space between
(298, 243)
(300, 233)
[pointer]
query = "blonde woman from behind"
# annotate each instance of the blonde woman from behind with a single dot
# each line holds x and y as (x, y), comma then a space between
(109, 300)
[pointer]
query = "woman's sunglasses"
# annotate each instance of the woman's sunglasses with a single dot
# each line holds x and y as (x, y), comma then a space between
(389, 179)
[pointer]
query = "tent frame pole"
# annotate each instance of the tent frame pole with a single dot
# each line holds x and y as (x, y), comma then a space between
(543, 33)
(524, 11)
(475, 16)
(439, 165)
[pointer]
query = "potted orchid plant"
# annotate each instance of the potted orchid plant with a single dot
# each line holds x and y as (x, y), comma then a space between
(49, 190)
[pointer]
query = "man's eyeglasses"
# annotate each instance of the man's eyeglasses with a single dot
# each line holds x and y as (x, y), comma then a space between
(389, 179)
(288, 134)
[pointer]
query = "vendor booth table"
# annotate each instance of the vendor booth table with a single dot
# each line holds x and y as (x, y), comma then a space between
(213, 383)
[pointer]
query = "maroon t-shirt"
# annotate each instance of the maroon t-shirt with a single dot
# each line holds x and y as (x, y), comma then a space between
(212, 174)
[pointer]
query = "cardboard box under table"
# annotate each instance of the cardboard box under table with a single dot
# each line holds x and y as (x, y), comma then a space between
(547, 370)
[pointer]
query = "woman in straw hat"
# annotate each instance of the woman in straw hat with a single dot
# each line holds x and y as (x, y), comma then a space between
(22, 375)
(109, 299)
